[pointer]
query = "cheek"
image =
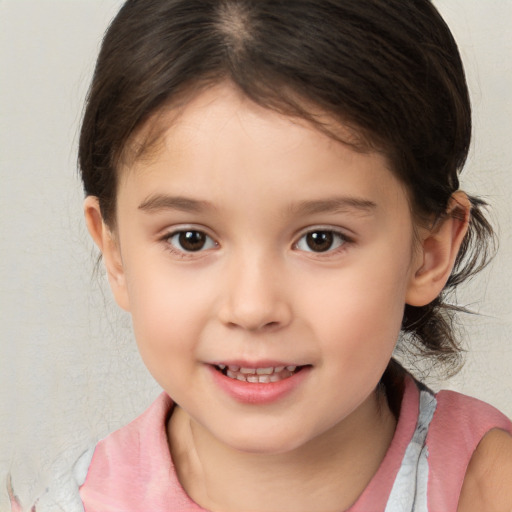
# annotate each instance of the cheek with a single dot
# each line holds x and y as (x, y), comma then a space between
(360, 310)
(166, 332)
(167, 309)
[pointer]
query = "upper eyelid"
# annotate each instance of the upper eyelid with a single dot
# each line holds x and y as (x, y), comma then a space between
(345, 233)
(170, 231)
(167, 233)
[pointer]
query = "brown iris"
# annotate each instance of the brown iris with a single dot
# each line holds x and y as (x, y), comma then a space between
(192, 240)
(320, 241)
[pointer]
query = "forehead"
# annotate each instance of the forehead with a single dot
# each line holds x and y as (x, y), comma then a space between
(220, 139)
(211, 99)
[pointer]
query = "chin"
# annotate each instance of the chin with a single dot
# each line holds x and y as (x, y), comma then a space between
(266, 443)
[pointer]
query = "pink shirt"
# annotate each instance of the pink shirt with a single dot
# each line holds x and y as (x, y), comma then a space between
(423, 470)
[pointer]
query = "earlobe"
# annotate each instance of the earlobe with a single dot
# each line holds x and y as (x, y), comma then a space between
(438, 250)
(109, 247)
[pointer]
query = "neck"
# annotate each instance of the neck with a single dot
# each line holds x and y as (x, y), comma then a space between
(326, 474)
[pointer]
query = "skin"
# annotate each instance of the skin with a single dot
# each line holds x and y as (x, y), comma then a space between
(255, 184)
(487, 482)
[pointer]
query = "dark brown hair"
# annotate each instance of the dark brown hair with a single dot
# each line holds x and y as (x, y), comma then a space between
(388, 69)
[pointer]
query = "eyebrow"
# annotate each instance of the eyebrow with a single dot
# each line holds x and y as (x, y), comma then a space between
(158, 202)
(334, 205)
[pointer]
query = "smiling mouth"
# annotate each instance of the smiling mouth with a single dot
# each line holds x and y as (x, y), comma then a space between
(258, 375)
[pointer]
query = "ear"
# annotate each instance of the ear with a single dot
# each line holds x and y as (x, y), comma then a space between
(438, 250)
(108, 245)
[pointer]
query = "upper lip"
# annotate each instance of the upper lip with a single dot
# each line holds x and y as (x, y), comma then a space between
(267, 363)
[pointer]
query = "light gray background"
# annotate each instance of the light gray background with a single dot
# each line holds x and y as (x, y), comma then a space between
(69, 370)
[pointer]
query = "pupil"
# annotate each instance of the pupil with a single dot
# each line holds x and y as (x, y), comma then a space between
(319, 241)
(192, 240)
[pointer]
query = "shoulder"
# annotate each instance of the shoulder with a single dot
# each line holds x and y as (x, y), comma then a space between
(465, 451)
(133, 441)
(151, 420)
(487, 482)
(128, 466)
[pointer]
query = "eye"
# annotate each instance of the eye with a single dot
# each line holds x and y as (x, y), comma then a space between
(321, 240)
(190, 240)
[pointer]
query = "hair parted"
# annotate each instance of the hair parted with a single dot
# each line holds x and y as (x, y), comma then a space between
(389, 70)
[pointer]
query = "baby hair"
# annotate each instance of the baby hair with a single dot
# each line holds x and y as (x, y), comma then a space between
(388, 70)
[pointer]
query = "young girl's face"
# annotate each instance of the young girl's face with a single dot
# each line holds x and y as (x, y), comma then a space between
(252, 241)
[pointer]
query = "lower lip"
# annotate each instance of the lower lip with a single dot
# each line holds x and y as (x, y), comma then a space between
(259, 393)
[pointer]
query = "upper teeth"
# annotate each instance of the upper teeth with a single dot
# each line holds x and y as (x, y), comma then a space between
(258, 371)
(258, 375)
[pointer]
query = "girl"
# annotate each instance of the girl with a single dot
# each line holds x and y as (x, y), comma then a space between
(274, 189)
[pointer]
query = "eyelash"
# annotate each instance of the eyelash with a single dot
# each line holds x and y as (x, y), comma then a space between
(182, 252)
(334, 237)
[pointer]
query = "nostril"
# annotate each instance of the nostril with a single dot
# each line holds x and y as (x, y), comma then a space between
(254, 314)
(254, 327)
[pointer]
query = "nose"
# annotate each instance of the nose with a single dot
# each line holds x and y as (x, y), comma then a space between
(255, 296)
